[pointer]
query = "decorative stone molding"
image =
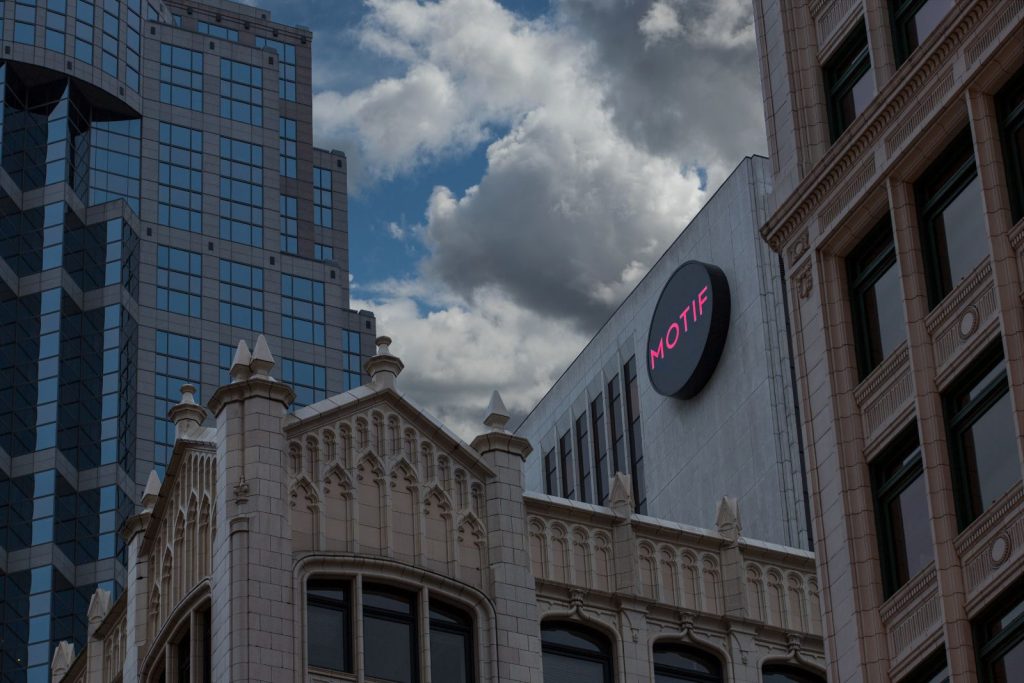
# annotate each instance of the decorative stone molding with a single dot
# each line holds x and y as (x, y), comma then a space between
(885, 393)
(844, 196)
(992, 548)
(829, 15)
(955, 322)
(912, 615)
(803, 281)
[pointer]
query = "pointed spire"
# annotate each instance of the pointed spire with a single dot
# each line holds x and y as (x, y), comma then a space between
(152, 491)
(262, 361)
(187, 415)
(497, 414)
(728, 519)
(99, 605)
(622, 494)
(384, 367)
(63, 658)
(240, 365)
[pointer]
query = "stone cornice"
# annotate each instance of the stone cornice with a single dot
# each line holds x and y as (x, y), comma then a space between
(256, 386)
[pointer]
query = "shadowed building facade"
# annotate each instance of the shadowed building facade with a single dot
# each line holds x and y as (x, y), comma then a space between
(896, 134)
(159, 195)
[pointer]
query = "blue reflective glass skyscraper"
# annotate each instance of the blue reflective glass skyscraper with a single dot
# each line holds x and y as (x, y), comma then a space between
(160, 198)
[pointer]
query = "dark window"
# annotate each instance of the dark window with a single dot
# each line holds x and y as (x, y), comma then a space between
(952, 218)
(600, 449)
(303, 314)
(583, 456)
(618, 433)
(307, 379)
(913, 21)
(636, 446)
(1011, 115)
(550, 473)
(679, 663)
(901, 510)
(181, 77)
(329, 624)
(575, 654)
(451, 645)
(876, 299)
(351, 358)
(565, 465)
(241, 92)
(934, 670)
(849, 86)
(999, 642)
(184, 652)
(982, 439)
(389, 634)
(790, 674)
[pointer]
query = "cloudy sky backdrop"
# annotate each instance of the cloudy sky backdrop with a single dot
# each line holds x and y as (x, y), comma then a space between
(516, 166)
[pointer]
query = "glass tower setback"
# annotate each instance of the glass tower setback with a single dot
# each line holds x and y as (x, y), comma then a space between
(146, 225)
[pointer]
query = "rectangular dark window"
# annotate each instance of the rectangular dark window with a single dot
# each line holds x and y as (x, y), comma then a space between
(179, 281)
(451, 645)
(289, 222)
(999, 641)
(302, 310)
(982, 438)
(636, 445)
(583, 456)
(180, 193)
(913, 21)
(351, 358)
(308, 380)
(600, 449)
(550, 473)
(286, 66)
(241, 192)
(876, 298)
(178, 361)
(849, 85)
(565, 466)
(323, 252)
(241, 295)
(617, 427)
(952, 218)
(933, 670)
(216, 31)
(241, 92)
(181, 77)
(901, 511)
(329, 624)
(289, 147)
(1010, 101)
(389, 635)
(322, 199)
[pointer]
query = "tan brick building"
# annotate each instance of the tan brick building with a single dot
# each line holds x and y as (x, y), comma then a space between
(358, 539)
(896, 133)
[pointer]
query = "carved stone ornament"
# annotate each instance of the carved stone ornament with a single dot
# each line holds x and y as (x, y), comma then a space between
(799, 246)
(999, 550)
(969, 322)
(804, 283)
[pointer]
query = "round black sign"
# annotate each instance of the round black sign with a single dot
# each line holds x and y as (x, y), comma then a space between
(688, 330)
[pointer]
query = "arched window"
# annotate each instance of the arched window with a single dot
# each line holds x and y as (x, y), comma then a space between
(389, 634)
(680, 663)
(329, 614)
(451, 644)
(575, 654)
(781, 673)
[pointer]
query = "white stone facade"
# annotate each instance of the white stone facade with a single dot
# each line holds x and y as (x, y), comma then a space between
(366, 487)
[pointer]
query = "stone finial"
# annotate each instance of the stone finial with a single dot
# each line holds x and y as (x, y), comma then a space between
(497, 414)
(262, 361)
(621, 498)
(384, 367)
(187, 415)
(99, 605)
(63, 658)
(152, 491)
(728, 519)
(240, 365)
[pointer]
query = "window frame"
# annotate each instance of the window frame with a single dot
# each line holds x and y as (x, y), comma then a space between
(796, 674)
(988, 647)
(411, 619)
(861, 278)
(347, 611)
(901, 13)
(464, 629)
(1010, 116)
(581, 631)
(694, 653)
(843, 70)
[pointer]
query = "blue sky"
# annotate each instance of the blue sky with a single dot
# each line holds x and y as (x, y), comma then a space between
(516, 167)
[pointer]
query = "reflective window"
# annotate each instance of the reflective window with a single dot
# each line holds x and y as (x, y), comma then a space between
(999, 642)
(241, 192)
(302, 309)
(181, 77)
(25, 22)
(85, 15)
(323, 252)
(451, 644)
(241, 295)
(565, 466)
(876, 299)
(286, 66)
(1010, 103)
(56, 24)
(114, 169)
(573, 653)
(389, 634)
(308, 380)
(901, 508)
(329, 624)
(133, 43)
(181, 178)
(913, 22)
(849, 84)
(583, 457)
(111, 28)
(636, 445)
(289, 223)
(600, 449)
(178, 361)
(48, 369)
(934, 670)
(241, 92)
(681, 663)
(550, 473)
(982, 438)
(779, 673)
(322, 200)
(288, 147)
(217, 31)
(352, 359)
(618, 433)
(179, 281)
(952, 218)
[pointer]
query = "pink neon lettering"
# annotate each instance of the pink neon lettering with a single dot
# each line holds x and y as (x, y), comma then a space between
(702, 299)
(668, 336)
(686, 323)
(658, 353)
(693, 310)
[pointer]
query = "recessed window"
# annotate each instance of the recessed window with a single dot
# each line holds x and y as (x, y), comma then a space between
(913, 21)
(583, 456)
(329, 624)
(901, 508)
(999, 642)
(849, 86)
(876, 298)
(1011, 118)
(951, 217)
(636, 444)
(982, 438)
(389, 634)
(550, 473)
(565, 466)
(575, 654)
(600, 448)
(790, 674)
(933, 670)
(679, 663)
(451, 644)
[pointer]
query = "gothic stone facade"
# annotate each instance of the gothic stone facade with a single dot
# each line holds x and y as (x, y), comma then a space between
(367, 489)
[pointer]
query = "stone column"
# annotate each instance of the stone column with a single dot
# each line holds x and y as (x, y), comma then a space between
(253, 634)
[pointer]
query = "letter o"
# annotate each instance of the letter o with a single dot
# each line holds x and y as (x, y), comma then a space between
(669, 342)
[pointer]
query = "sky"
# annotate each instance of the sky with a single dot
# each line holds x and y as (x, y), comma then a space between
(516, 167)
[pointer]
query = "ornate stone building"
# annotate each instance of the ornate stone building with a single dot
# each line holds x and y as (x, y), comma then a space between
(896, 133)
(358, 539)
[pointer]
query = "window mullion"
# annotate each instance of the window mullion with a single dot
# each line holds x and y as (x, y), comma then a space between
(423, 642)
(359, 662)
